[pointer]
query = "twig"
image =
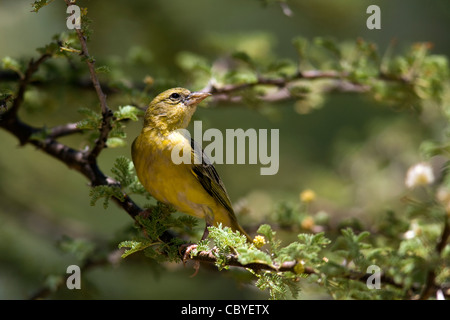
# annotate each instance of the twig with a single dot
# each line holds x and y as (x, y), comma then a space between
(107, 114)
(341, 84)
(23, 82)
(431, 275)
(278, 82)
(74, 159)
(64, 130)
(232, 260)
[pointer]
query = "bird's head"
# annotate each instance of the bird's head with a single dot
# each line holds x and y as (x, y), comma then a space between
(172, 109)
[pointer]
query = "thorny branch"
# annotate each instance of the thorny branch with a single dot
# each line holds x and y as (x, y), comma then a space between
(107, 114)
(341, 83)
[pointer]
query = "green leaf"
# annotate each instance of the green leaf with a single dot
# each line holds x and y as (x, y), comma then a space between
(38, 4)
(81, 248)
(244, 57)
(266, 231)
(225, 237)
(123, 170)
(248, 255)
(53, 48)
(134, 246)
(12, 64)
(240, 77)
(189, 61)
(40, 135)
(128, 112)
(105, 192)
(92, 120)
(307, 248)
(269, 234)
(115, 142)
(330, 45)
(202, 245)
(301, 44)
(103, 69)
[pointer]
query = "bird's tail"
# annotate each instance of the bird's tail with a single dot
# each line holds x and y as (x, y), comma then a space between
(237, 227)
(229, 220)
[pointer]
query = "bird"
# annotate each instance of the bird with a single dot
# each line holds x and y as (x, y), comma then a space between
(193, 188)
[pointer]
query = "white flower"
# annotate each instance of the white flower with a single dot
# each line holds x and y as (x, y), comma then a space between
(413, 231)
(420, 174)
(410, 234)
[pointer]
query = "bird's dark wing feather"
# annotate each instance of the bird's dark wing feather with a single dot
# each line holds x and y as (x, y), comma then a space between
(207, 175)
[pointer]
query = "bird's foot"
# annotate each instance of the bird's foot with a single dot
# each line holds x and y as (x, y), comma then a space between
(185, 251)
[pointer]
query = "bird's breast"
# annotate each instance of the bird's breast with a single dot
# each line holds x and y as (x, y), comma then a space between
(166, 181)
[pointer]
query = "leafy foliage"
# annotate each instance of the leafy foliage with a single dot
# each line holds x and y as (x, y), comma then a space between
(124, 174)
(38, 4)
(106, 192)
(153, 223)
(92, 122)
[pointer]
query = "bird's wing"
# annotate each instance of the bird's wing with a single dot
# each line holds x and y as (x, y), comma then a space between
(207, 175)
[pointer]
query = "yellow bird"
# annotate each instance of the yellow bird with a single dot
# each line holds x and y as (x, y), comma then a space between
(194, 188)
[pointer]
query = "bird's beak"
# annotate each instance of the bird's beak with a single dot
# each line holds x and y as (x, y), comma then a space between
(195, 98)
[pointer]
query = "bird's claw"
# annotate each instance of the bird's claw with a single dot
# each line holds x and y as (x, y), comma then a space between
(187, 248)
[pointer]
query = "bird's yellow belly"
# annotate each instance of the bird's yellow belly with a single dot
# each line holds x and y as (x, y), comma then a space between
(170, 183)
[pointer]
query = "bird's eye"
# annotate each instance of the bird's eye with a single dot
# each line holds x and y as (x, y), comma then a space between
(175, 96)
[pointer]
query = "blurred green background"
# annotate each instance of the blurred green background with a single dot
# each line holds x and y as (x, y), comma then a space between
(353, 152)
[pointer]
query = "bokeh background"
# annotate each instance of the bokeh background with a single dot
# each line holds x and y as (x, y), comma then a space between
(353, 152)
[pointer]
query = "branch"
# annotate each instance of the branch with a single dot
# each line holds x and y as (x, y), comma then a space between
(278, 82)
(229, 93)
(25, 79)
(226, 93)
(232, 260)
(64, 130)
(74, 159)
(288, 266)
(430, 284)
(107, 114)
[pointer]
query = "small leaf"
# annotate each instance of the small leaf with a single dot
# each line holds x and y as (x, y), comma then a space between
(128, 112)
(123, 171)
(134, 246)
(301, 44)
(244, 57)
(252, 255)
(103, 69)
(40, 135)
(38, 4)
(189, 61)
(115, 142)
(12, 64)
(330, 45)
(92, 120)
(105, 192)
